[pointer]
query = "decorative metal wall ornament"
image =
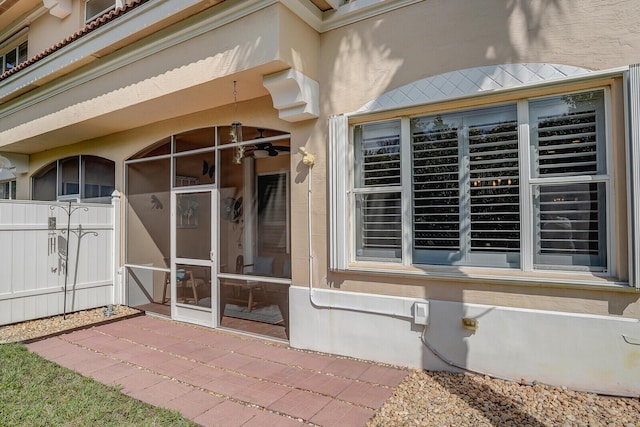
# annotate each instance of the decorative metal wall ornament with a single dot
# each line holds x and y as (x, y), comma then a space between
(69, 210)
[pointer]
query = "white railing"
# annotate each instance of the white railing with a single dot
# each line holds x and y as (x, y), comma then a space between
(47, 247)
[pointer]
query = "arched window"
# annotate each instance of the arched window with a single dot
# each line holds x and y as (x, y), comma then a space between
(82, 178)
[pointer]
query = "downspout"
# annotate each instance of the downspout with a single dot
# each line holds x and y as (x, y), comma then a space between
(309, 159)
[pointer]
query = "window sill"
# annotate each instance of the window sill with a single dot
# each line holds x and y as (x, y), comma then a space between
(564, 279)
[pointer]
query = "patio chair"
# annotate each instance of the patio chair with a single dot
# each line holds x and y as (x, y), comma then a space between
(185, 282)
(261, 266)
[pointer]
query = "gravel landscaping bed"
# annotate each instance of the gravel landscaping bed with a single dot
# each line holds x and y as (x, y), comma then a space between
(32, 329)
(429, 398)
(447, 399)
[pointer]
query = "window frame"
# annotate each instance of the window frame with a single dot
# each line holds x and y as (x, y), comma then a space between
(115, 4)
(361, 191)
(527, 183)
(9, 188)
(80, 195)
(14, 49)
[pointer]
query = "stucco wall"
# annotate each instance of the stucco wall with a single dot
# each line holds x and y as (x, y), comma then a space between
(364, 60)
(49, 30)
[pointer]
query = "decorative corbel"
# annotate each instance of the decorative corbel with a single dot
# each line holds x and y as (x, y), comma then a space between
(58, 8)
(296, 96)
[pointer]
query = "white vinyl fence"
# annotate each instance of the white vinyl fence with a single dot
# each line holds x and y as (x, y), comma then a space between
(35, 263)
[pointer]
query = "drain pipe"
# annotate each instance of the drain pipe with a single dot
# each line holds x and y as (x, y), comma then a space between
(308, 159)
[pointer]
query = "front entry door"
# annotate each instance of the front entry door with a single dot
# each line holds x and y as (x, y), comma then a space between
(193, 259)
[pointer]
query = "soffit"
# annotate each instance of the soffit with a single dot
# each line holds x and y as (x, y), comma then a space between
(12, 11)
(321, 4)
(171, 74)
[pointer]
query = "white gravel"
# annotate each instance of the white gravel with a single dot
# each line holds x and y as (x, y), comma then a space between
(447, 399)
(49, 325)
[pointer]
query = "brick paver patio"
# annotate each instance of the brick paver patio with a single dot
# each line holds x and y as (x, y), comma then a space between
(221, 379)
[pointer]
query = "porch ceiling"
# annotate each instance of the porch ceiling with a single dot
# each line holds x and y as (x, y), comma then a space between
(181, 70)
(201, 97)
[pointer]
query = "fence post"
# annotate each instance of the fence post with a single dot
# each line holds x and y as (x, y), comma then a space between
(118, 280)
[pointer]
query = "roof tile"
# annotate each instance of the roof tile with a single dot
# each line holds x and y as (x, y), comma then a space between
(89, 27)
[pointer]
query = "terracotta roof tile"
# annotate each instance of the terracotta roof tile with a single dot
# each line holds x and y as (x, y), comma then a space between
(89, 27)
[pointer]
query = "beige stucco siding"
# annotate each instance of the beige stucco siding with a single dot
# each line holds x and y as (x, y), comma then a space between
(362, 61)
(49, 30)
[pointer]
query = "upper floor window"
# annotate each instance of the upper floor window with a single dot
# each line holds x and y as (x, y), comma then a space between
(8, 190)
(472, 188)
(85, 178)
(14, 56)
(95, 8)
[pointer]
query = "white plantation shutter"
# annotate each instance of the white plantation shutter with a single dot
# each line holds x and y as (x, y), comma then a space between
(567, 135)
(466, 188)
(567, 144)
(378, 154)
(570, 219)
(494, 187)
(378, 210)
(380, 225)
(436, 192)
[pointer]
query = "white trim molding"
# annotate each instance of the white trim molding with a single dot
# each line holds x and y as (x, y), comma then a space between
(343, 12)
(295, 96)
(632, 112)
(338, 183)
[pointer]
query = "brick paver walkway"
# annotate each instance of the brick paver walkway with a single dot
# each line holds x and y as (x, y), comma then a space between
(221, 379)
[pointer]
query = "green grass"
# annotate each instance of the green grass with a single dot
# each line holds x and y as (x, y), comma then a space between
(37, 392)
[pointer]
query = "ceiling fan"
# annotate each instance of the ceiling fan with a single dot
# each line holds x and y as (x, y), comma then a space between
(261, 150)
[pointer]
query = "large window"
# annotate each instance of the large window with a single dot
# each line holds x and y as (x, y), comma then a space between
(86, 178)
(461, 188)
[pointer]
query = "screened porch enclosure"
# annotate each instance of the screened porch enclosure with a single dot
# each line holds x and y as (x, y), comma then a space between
(208, 229)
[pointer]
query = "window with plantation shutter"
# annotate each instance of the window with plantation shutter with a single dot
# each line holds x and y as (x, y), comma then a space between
(567, 137)
(494, 190)
(523, 185)
(378, 155)
(436, 186)
(466, 204)
(378, 210)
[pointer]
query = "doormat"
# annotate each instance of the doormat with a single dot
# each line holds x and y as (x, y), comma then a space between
(267, 314)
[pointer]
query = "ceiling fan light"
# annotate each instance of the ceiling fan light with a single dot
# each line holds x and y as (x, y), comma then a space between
(260, 154)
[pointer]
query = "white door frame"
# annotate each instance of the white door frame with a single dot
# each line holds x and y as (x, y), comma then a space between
(183, 312)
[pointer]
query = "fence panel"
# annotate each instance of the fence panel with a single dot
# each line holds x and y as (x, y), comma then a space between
(38, 255)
